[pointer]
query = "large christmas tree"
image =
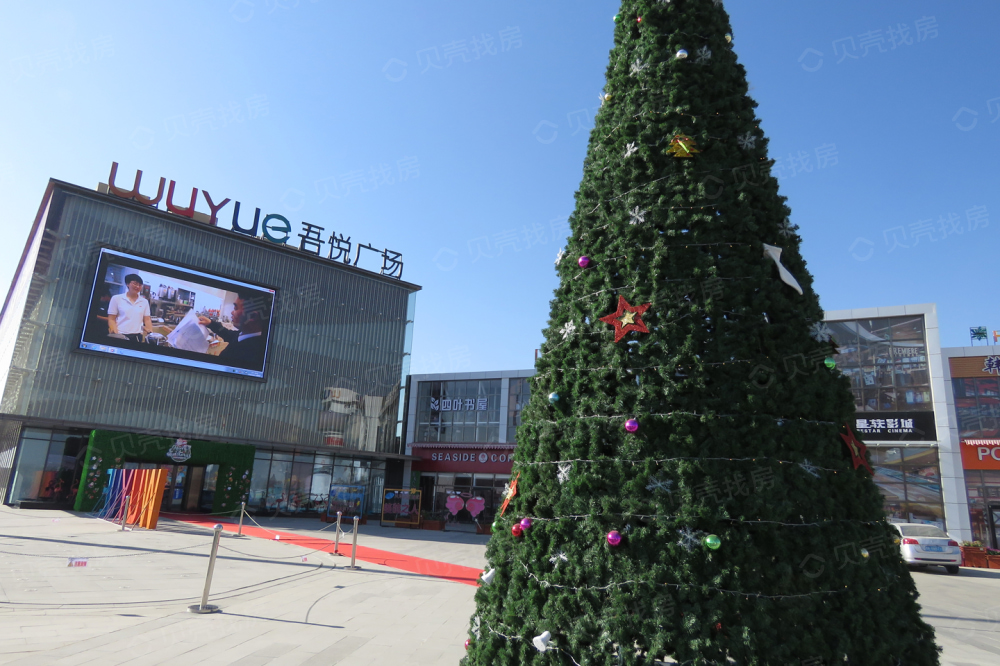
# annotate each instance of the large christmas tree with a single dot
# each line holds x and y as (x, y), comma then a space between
(687, 484)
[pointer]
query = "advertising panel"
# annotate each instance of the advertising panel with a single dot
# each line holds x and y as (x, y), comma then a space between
(401, 507)
(349, 500)
(152, 310)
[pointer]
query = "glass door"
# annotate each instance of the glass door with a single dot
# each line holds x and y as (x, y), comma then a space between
(193, 490)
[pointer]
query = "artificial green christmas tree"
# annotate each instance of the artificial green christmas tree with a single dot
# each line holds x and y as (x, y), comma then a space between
(687, 486)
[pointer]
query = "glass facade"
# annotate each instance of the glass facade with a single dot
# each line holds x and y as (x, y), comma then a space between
(340, 338)
(983, 490)
(517, 399)
(464, 411)
(49, 466)
(886, 361)
(480, 495)
(286, 483)
(910, 481)
(977, 405)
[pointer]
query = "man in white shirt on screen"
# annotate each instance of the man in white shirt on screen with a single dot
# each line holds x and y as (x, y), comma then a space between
(128, 313)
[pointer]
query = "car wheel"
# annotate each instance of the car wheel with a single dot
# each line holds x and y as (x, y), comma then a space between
(953, 570)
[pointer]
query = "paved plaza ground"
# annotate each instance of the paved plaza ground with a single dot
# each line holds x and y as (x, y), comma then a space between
(129, 604)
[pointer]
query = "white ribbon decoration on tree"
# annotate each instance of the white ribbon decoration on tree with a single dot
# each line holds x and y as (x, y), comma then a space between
(786, 277)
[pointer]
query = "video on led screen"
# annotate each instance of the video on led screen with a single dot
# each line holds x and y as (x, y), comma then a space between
(152, 310)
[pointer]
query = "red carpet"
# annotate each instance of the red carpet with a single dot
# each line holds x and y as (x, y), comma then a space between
(433, 568)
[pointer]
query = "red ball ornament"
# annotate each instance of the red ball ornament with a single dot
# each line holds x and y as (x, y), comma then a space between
(718, 626)
(516, 530)
(467, 643)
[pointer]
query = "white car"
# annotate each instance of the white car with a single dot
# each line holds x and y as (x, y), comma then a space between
(922, 545)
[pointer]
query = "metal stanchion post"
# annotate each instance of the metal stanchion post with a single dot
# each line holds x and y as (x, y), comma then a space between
(125, 515)
(203, 607)
(243, 506)
(336, 539)
(354, 546)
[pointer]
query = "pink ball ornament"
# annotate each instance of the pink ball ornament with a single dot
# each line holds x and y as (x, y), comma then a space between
(614, 538)
(467, 643)
(583, 261)
(516, 530)
(526, 523)
(631, 425)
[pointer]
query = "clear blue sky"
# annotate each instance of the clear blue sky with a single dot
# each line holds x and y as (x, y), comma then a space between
(453, 131)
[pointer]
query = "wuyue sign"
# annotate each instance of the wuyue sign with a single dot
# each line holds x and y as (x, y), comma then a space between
(273, 228)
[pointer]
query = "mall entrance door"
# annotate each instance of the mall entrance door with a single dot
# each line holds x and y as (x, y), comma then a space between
(189, 488)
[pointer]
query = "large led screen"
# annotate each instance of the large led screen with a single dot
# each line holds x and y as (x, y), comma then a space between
(152, 310)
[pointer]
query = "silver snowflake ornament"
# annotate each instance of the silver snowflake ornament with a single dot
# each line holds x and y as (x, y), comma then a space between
(557, 558)
(702, 55)
(559, 257)
(786, 228)
(476, 627)
(631, 149)
(809, 468)
(689, 538)
(820, 332)
(658, 484)
(637, 216)
(638, 66)
(563, 474)
(568, 329)
(747, 141)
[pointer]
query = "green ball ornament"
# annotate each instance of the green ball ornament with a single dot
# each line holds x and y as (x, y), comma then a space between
(618, 18)
(712, 541)
(830, 363)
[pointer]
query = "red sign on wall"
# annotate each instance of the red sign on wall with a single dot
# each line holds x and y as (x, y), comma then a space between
(981, 454)
(493, 459)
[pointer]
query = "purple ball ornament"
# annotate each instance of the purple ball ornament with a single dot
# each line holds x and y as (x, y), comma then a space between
(614, 538)
(631, 425)
(526, 523)
(583, 261)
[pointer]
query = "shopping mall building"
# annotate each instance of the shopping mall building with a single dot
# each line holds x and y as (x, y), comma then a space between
(929, 416)
(256, 359)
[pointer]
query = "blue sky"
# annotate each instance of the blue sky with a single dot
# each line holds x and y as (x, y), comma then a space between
(455, 133)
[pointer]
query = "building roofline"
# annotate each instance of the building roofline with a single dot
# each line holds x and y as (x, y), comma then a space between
(42, 207)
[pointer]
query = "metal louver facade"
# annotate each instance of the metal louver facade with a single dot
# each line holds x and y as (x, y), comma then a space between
(339, 345)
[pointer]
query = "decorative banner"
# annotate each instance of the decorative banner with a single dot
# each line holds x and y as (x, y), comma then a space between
(775, 253)
(349, 500)
(510, 494)
(401, 507)
(857, 450)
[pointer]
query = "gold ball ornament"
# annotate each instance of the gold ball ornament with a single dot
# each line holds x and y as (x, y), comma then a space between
(729, 38)
(864, 553)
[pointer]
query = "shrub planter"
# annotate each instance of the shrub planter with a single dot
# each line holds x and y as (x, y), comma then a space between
(432, 524)
(484, 529)
(993, 561)
(973, 556)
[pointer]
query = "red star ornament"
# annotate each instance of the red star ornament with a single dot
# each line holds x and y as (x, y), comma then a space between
(857, 450)
(626, 318)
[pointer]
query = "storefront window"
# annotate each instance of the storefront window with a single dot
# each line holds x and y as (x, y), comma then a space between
(517, 399)
(465, 411)
(909, 479)
(49, 466)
